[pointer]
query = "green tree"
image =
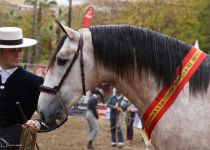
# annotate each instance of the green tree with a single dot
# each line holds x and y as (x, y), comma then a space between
(204, 21)
(33, 24)
(45, 4)
(181, 19)
(12, 18)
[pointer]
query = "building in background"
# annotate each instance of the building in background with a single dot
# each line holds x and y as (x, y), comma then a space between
(66, 2)
(14, 2)
(60, 2)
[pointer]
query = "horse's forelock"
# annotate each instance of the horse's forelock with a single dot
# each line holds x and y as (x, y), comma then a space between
(60, 44)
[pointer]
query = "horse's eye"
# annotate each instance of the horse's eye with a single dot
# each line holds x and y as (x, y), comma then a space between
(61, 61)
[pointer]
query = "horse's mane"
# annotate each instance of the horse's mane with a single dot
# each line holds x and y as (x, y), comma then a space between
(124, 48)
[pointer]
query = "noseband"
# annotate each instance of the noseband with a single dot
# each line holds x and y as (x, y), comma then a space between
(56, 89)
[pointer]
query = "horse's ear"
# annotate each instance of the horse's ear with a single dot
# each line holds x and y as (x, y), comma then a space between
(71, 33)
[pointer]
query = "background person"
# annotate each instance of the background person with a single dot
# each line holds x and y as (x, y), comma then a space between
(16, 84)
(114, 104)
(92, 115)
(130, 110)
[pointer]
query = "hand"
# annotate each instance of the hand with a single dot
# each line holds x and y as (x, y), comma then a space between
(117, 108)
(128, 109)
(33, 125)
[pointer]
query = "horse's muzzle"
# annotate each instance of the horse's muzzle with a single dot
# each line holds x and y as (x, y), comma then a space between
(49, 125)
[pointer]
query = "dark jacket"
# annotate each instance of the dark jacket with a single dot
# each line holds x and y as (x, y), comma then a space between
(111, 103)
(21, 86)
(91, 105)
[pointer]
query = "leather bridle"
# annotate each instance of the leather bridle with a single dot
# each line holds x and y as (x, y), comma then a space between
(56, 89)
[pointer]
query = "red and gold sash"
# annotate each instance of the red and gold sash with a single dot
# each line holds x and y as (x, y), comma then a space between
(168, 94)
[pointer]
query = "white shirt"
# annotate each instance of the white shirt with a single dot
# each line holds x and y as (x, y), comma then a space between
(5, 74)
(119, 97)
(133, 108)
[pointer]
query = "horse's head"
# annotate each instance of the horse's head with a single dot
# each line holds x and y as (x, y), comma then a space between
(64, 80)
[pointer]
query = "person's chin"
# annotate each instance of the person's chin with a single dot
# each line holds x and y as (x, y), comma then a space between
(17, 64)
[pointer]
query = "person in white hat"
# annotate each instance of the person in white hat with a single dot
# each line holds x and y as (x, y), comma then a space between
(92, 115)
(16, 84)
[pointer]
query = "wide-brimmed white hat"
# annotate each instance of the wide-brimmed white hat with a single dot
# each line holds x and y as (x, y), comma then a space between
(12, 37)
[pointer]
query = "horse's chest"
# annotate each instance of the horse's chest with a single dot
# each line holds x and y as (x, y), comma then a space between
(186, 125)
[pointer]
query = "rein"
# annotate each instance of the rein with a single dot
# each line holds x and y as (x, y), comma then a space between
(56, 89)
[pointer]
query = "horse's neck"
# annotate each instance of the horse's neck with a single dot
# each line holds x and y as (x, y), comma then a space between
(140, 92)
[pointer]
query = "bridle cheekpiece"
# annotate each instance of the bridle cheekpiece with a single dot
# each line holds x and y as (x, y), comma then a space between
(56, 89)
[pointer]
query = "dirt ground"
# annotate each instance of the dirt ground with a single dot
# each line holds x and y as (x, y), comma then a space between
(73, 136)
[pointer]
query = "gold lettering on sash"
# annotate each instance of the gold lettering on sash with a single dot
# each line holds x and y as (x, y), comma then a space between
(172, 88)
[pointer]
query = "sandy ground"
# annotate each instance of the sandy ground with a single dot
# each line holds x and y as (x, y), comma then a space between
(73, 136)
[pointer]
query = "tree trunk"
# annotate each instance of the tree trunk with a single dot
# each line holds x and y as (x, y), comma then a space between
(69, 15)
(49, 47)
(38, 47)
(58, 35)
(33, 22)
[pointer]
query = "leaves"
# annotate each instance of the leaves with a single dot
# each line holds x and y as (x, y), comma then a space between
(186, 20)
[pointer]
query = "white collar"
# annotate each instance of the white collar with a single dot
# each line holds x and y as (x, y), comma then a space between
(10, 71)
